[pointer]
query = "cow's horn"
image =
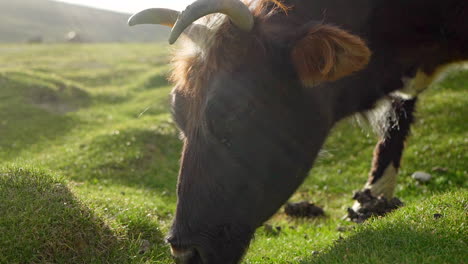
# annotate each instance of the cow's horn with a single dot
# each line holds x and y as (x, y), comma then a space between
(167, 17)
(237, 11)
(160, 16)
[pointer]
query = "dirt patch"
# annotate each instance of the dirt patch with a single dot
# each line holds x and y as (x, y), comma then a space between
(303, 209)
(372, 206)
(437, 216)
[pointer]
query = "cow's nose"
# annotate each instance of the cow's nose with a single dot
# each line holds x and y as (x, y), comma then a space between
(181, 252)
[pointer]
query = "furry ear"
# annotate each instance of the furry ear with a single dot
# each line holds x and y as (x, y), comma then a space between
(327, 53)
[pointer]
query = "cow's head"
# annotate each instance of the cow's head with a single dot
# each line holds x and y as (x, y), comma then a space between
(251, 117)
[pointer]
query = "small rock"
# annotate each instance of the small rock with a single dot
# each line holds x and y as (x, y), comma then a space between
(421, 176)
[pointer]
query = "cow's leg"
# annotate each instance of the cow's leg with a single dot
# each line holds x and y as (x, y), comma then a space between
(388, 151)
(396, 123)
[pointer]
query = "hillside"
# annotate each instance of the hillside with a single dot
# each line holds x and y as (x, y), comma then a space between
(23, 20)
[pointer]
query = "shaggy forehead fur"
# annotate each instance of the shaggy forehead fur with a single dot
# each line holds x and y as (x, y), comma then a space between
(194, 63)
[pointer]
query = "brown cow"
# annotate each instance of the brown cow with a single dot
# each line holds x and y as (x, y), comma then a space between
(258, 89)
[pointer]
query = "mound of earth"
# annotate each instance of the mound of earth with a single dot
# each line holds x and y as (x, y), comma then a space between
(303, 209)
(371, 206)
(44, 91)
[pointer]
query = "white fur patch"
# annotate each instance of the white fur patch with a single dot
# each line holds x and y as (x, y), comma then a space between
(378, 116)
(386, 184)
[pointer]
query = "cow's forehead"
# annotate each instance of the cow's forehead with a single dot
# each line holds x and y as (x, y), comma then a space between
(217, 48)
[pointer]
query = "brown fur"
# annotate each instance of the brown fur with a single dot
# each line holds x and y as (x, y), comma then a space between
(327, 53)
(278, 5)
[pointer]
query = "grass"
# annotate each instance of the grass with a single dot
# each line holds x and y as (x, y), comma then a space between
(89, 158)
(432, 231)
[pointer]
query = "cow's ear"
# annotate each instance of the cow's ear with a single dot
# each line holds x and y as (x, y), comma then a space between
(327, 53)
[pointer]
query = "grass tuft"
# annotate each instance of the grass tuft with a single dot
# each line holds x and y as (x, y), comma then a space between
(42, 221)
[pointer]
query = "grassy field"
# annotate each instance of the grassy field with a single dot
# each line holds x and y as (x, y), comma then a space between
(89, 159)
(25, 20)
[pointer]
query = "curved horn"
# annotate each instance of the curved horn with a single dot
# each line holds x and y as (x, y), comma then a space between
(160, 16)
(237, 11)
(166, 17)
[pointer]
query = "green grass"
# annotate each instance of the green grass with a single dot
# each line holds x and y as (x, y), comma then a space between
(431, 231)
(89, 158)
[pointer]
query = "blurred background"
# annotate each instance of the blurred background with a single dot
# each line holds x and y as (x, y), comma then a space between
(36, 21)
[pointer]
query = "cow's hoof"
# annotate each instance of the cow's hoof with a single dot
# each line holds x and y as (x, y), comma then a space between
(367, 205)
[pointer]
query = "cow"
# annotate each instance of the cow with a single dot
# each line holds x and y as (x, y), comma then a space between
(258, 86)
